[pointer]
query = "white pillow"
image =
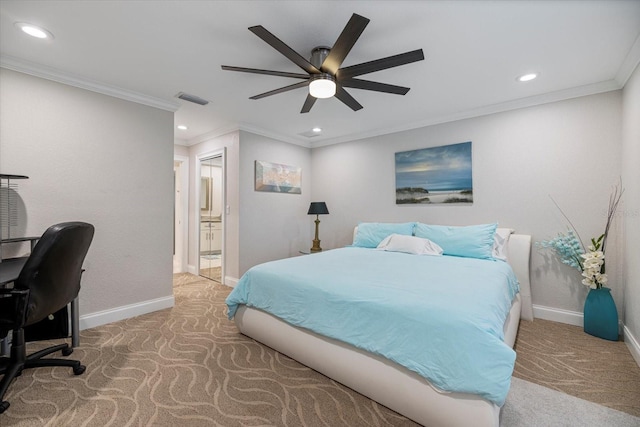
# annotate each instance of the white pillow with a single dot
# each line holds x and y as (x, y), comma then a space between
(409, 245)
(501, 243)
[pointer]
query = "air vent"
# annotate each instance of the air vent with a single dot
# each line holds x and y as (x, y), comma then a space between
(192, 98)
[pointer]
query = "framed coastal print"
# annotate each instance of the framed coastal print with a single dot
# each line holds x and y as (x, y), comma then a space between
(435, 175)
(277, 178)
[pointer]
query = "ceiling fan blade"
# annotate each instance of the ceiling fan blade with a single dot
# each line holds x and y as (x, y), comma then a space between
(281, 47)
(282, 89)
(380, 64)
(308, 103)
(267, 72)
(347, 99)
(378, 87)
(344, 43)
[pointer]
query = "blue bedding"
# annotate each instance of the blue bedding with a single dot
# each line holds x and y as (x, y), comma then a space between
(441, 317)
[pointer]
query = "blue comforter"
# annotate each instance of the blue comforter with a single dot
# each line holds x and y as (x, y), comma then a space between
(441, 317)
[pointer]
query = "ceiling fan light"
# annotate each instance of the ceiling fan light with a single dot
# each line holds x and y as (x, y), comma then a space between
(322, 86)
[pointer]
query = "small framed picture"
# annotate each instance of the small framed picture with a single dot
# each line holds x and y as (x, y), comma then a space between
(277, 178)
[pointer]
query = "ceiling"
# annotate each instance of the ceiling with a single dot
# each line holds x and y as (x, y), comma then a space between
(151, 50)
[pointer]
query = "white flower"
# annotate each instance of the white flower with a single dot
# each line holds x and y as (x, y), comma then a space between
(589, 283)
(593, 257)
(592, 269)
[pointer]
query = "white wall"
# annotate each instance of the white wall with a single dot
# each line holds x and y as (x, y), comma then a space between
(570, 150)
(272, 225)
(99, 159)
(630, 211)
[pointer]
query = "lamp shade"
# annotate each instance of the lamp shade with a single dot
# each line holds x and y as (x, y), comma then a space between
(318, 208)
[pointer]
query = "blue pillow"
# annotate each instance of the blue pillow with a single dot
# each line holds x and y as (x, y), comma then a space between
(370, 234)
(474, 241)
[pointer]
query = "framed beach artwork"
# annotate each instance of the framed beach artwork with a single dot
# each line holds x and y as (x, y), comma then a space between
(277, 178)
(435, 175)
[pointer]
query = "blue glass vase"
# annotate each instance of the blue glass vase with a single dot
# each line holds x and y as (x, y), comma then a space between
(600, 314)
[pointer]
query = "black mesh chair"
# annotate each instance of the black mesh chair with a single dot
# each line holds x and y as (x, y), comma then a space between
(49, 280)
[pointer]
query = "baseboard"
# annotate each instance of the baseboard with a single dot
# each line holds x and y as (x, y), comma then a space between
(125, 312)
(558, 315)
(577, 319)
(569, 317)
(632, 344)
(231, 281)
(228, 280)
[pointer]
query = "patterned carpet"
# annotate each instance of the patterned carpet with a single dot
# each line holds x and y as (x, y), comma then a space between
(189, 366)
(562, 357)
(185, 366)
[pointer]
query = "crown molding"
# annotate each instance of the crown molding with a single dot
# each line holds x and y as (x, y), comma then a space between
(59, 76)
(274, 135)
(576, 92)
(546, 98)
(246, 128)
(224, 130)
(629, 64)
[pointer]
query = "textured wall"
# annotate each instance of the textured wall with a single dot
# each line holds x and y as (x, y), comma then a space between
(570, 150)
(98, 159)
(272, 225)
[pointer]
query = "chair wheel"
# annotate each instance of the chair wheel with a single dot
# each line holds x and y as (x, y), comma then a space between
(4, 406)
(79, 370)
(67, 351)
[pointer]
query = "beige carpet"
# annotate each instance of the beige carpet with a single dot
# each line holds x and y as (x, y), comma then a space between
(185, 366)
(188, 366)
(562, 357)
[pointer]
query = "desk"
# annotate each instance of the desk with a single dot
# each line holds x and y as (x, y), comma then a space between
(33, 241)
(10, 269)
(9, 272)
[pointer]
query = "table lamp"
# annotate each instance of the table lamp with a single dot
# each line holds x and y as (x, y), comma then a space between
(317, 208)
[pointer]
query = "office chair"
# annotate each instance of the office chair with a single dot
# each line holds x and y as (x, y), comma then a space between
(49, 280)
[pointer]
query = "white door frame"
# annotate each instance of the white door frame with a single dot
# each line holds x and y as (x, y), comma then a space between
(222, 152)
(183, 232)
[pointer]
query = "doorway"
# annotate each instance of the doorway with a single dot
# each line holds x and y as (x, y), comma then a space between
(211, 204)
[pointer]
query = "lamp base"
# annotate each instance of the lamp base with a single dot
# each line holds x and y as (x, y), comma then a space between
(316, 246)
(316, 242)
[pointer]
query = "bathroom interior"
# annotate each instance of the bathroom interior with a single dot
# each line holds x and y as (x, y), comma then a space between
(211, 205)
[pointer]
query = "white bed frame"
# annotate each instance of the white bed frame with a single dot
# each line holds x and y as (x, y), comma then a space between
(384, 381)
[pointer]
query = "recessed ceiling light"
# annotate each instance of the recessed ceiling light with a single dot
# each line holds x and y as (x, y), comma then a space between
(182, 127)
(527, 77)
(317, 130)
(34, 30)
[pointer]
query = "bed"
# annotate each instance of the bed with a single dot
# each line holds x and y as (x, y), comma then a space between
(375, 367)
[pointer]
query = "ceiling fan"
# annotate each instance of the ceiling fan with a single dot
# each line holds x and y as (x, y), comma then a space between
(324, 76)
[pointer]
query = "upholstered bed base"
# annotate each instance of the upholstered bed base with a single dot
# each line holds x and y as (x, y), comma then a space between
(382, 380)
